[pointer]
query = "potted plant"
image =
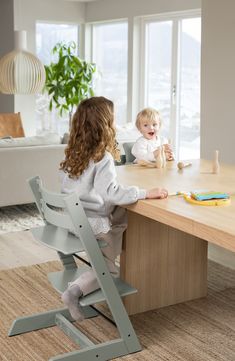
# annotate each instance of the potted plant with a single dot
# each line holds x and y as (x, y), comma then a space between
(69, 80)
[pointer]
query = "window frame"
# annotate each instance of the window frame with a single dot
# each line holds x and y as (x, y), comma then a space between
(176, 18)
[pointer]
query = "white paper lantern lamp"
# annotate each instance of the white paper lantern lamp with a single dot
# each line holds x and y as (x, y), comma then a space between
(20, 71)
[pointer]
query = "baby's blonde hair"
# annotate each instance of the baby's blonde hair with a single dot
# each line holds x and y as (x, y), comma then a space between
(147, 115)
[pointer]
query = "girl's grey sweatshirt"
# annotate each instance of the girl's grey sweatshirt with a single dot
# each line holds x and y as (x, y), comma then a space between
(99, 190)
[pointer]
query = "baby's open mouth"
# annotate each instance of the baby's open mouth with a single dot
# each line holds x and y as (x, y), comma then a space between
(151, 133)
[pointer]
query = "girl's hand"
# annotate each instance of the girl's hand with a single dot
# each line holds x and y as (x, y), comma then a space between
(157, 193)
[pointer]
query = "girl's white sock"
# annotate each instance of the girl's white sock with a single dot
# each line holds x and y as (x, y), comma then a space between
(71, 299)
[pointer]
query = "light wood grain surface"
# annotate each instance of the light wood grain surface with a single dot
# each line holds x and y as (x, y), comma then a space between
(167, 266)
(215, 224)
(21, 249)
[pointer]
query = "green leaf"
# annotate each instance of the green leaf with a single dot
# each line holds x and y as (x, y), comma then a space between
(69, 80)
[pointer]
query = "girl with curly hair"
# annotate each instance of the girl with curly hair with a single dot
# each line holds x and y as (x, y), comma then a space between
(89, 170)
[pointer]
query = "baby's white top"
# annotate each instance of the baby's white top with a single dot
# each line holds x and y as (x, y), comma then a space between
(143, 148)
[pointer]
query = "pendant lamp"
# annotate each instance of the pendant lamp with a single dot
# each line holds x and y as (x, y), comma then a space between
(20, 71)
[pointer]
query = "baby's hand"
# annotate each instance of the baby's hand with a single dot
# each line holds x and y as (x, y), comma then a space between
(156, 152)
(169, 152)
(170, 156)
(158, 193)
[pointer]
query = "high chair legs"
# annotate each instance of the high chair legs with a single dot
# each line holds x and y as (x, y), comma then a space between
(42, 320)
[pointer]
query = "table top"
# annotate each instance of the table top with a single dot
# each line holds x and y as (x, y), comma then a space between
(215, 224)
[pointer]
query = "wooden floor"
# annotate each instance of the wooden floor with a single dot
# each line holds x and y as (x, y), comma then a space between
(20, 249)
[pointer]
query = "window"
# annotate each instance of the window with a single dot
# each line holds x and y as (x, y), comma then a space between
(109, 49)
(46, 120)
(58, 32)
(171, 80)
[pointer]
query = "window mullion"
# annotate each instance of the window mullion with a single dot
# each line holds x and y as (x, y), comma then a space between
(143, 66)
(175, 87)
(130, 69)
(135, 92)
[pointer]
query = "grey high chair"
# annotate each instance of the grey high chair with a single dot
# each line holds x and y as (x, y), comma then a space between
(62, 214)
(127, 149)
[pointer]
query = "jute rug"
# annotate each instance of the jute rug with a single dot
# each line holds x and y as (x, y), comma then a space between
(19, 218)
(199, 330)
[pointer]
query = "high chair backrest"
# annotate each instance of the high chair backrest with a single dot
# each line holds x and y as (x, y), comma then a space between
(51, 205)
(59, 231)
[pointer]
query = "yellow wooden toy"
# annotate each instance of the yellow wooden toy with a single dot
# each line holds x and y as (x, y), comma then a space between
(210, 202)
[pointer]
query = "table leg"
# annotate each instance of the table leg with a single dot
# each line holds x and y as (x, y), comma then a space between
(166, 265)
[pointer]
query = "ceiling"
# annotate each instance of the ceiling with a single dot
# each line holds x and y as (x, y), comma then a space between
(83, 1)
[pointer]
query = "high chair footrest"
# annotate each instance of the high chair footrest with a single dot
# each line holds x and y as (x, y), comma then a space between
(60, 280)
(124, 289)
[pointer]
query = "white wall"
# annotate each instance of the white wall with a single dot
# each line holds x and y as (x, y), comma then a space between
(26, 13)
(116, 9)
(218, 91)
(218, 79)
(6, 45)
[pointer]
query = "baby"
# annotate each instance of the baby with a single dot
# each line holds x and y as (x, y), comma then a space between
(147, 146)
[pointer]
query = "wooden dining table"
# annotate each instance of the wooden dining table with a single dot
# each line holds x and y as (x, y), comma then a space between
(165, 245)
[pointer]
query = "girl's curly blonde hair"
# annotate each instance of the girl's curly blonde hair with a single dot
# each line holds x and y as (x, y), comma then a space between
(92, 133)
